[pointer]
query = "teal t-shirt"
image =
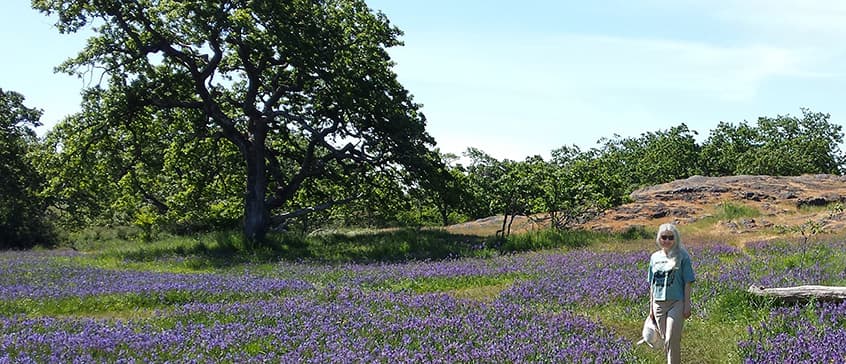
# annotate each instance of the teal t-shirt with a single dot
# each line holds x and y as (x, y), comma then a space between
(667, 280)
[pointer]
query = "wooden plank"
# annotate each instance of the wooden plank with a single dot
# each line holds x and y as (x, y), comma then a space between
(801, 293)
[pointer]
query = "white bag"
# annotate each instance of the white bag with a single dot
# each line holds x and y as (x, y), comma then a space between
(651, 335)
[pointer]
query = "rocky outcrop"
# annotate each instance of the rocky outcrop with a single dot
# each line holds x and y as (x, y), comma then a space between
(687, 200)
(817, 189)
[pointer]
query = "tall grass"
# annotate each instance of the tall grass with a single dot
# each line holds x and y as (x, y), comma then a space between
(732, 211)
(229, 249)
(568, 239)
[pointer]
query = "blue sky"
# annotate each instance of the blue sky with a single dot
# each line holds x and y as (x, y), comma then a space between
(516, 81)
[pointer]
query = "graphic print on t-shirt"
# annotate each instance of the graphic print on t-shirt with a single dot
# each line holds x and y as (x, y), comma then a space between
(658, 278)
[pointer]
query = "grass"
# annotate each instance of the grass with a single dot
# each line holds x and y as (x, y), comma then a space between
(708, 341)
(115, 306)
(724, 211)
(732, 211)
(483, 293)
(227, 249)
(106, 305)
(712, 227)
(221, 250)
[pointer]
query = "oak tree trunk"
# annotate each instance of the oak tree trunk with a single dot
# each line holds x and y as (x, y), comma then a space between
(256, 215)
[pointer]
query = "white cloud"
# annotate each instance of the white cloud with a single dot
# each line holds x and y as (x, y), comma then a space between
(583, 63)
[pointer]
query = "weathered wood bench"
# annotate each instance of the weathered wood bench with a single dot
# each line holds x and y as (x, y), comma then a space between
(801, 293)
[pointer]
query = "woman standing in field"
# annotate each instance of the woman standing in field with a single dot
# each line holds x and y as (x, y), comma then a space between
(670, 278)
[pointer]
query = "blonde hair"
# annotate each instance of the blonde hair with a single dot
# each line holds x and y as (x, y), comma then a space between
(677, 243)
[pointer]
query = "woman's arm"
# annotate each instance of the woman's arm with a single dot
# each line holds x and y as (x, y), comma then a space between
(651, 311)
(687, 288)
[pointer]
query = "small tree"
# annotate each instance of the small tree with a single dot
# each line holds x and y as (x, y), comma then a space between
(573, 190)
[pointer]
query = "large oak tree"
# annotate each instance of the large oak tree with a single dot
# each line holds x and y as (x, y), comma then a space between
(300, 87)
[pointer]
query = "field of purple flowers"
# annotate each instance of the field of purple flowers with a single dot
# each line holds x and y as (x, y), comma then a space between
(545, 307)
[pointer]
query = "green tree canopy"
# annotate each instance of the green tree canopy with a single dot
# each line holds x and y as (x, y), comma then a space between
(652, 158)
(783, 146)
(114, 163)
(22, 210)
(304, 90)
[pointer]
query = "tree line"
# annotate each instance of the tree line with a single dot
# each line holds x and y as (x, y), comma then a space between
(287, 115)
(77, 176)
